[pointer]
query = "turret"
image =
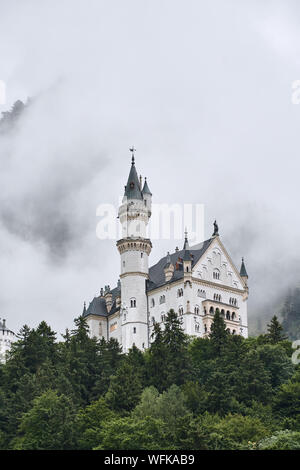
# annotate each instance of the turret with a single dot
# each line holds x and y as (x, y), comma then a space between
(187, 262)
(169, 268)
(134, 248)
(147, 195)
(108, 298)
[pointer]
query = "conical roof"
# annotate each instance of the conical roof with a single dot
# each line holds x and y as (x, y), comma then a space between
(243, 271)
(132, 188)
(146, 189)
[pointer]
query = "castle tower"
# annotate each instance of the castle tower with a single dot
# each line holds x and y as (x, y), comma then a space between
(7, 337)
(134, 248)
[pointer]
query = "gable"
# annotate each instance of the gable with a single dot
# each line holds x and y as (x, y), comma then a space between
(216, 265)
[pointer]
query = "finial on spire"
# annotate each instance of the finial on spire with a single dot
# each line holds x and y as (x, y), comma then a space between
(132, 150)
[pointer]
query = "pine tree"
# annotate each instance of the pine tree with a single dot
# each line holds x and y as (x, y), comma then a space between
(125, 389)
(275, 331)
(218, 333)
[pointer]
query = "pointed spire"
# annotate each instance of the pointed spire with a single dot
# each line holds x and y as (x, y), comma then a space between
(243, 271)
(132, 188)
(186, 242)
(186, 247)
(146, 189)
(84, 309)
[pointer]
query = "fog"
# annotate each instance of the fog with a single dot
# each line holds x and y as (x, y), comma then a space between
(203, 89)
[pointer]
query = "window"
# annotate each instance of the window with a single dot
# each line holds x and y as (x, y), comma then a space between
(162, 299)
(201, 293)
(134, 329)
(163, 317)
(133, 303)
(123, 263)
(142, 255)
(205, 329)
(180, 293)
(197, 328)
(180, 311)
(152, 302)
(233, 316)
(153, 319)
(216, 274)
(227, 315)
(217, 297)
(196, 310)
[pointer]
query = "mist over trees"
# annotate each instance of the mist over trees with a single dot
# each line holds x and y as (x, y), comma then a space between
(221, 392)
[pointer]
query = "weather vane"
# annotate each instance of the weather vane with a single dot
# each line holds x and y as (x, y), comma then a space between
(132, 150)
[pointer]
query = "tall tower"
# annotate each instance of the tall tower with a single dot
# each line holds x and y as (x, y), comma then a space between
(134, 248)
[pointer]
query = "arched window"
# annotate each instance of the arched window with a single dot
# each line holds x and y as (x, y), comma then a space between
(233, 332)
(134, 329)
(227, 315)
(133, 303)
(163, 317)
(233, 316)
(180, 293)
(205, 328)
(216, 274)
(211, 310)
(201, 293)
(162, 299)
(180, 311)
(152, 302)
(196, 310)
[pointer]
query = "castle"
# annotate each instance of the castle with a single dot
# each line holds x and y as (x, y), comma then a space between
(194, 281)
(7, 337)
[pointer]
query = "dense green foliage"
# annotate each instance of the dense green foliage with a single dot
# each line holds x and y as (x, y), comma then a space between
(221, 392)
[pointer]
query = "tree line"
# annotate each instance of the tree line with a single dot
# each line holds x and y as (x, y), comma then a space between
(219, 392)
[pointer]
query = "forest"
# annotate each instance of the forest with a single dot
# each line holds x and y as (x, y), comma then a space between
(220, 392)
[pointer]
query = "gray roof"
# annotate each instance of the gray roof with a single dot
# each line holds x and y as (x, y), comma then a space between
(132, 188)
(98, 305)
(157, 274)
(146, 189)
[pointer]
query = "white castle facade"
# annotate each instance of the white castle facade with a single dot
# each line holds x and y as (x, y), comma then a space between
(7, 337)
(194, 281)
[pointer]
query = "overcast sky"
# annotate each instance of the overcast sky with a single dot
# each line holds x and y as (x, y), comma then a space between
(202, 88)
